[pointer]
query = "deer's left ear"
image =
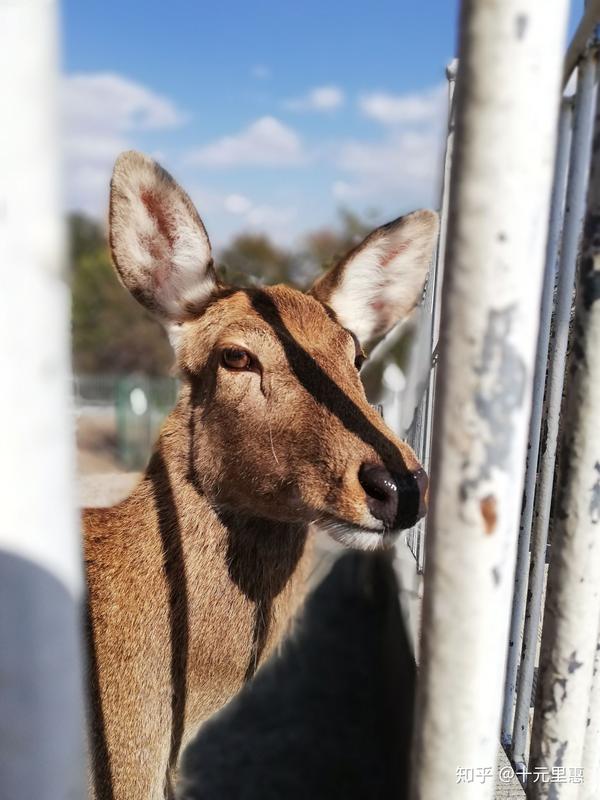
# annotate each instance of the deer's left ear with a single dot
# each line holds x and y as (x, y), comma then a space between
(381, 280)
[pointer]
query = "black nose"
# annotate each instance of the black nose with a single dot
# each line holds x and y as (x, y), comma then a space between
(397, 500)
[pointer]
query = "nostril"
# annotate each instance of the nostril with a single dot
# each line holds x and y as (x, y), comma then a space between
(399, 500)
(376, 481)
(381, 490)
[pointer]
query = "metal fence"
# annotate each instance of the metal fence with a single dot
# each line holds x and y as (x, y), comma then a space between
(136, 406)
(501, 401)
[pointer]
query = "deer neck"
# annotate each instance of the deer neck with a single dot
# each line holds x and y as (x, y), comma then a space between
(232, 582)
(181, 505)
(246, 568)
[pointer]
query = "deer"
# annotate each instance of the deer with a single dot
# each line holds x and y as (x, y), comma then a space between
(194, 579)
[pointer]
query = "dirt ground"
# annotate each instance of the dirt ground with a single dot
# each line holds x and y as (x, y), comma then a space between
(97, 443)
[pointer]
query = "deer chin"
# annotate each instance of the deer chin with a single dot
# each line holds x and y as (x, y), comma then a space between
(358, 537)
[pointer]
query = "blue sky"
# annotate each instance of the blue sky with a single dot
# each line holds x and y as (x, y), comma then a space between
(271, 114)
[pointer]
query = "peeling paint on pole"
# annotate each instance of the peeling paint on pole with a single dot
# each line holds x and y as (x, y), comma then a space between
(573, 595)
(507, 100)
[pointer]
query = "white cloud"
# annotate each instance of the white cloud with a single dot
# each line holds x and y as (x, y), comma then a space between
(106, 100)
(258, 215)
(226, 215)
(266, 142)
(260, 72)
(406, 157)
(417, 107)
(237, 204)
(101, 114)
(403, 166)
(321, 98)
(344, 191)
(273, 219)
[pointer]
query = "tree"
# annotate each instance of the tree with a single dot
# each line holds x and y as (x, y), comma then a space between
(325, 247)
(252, 258)
(111, 332)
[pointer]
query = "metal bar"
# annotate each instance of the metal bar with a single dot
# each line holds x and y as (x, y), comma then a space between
(417, 401)
(572, 606)
(535, 423)
(421, 364)
(584, 32)
(437, 279)
(451, 72)
(507, 100)
(42, 752)
(382, 349)
(574, 214)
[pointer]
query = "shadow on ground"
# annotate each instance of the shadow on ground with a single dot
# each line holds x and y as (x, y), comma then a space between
(331, 716)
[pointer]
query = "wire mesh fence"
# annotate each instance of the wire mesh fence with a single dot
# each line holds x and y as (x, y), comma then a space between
(131, 409)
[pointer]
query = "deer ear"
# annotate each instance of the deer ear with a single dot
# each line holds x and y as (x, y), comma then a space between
(381, 280)
(158, 242)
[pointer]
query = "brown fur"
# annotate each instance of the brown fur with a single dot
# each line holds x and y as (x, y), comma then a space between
(194, 578)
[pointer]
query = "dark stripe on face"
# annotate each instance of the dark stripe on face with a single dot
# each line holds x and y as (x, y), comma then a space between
(322, 388)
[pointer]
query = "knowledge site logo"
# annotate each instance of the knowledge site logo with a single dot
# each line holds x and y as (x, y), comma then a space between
(506, 774)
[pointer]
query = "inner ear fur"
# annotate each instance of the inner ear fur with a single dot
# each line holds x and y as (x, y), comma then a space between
(158, 242)
(381, 280)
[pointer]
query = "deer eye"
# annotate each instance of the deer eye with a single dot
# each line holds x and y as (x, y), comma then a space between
(235, 358)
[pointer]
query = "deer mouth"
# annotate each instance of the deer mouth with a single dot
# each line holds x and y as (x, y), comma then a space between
(359, 537)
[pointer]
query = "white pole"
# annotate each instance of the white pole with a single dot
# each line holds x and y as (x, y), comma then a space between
(508, 94)
(573, 224)
(41, 721)
(535, 423)
(572, 608)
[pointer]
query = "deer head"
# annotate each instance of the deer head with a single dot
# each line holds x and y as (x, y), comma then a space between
(273, 421)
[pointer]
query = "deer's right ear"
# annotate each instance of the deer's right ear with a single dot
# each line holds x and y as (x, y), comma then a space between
(158, 242)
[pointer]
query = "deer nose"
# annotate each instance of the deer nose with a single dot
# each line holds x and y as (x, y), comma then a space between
(398, 500)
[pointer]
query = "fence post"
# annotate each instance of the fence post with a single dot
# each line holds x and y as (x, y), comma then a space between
(42, 744)
(535, 423)
(572, 608)
(507, 99)
(434, 292)
(573, 223)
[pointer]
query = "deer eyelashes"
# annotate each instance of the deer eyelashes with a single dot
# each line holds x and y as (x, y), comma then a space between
(235, 358)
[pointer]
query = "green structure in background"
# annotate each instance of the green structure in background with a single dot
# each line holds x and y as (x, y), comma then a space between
(141, 404)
